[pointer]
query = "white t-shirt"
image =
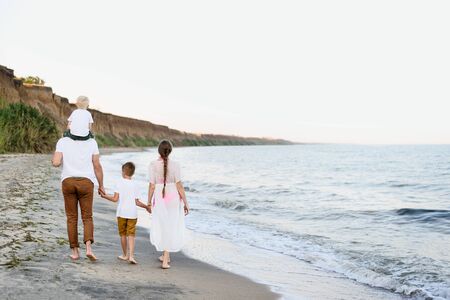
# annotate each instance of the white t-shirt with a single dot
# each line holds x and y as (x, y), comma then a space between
(128, 193)
(77, 158)
(79, 122)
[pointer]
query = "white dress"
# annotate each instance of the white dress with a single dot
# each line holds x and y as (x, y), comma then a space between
(167, 231)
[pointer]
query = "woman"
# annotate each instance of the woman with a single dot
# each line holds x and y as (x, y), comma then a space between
(166, 195)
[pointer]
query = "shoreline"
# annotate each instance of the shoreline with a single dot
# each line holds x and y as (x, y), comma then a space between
(285, 275)
(34, 249)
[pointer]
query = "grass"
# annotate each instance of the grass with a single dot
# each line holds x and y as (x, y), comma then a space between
(24, 129)
(129, 141)
(137, 141)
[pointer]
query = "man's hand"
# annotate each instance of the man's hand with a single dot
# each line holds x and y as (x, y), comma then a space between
(101, 190)
(57, 159)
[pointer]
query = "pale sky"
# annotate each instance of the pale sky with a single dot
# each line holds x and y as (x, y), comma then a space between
(308, 71)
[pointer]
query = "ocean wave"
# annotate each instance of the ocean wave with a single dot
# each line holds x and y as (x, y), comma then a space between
(231, 205)
(424, 215)
(190, 189)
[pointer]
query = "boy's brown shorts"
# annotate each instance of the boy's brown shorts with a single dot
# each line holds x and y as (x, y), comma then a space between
(126, 226)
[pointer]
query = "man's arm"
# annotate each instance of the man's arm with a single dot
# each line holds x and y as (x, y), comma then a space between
(98, 170)
(57, 159)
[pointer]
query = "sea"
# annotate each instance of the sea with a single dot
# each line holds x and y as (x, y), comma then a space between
(375, 215)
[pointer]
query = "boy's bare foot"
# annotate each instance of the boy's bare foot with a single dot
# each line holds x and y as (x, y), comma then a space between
(122, 257)
(132, 261)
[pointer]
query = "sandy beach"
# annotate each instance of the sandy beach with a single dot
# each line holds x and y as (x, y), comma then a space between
(34, 250)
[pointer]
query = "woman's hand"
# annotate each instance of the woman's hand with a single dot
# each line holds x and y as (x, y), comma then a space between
(186, 208)
(149, 208)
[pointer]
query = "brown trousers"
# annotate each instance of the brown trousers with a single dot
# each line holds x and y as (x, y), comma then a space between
(77, 190)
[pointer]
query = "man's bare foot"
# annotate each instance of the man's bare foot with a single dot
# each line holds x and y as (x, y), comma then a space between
(132, 261)
(75, 254)
(122, 257)
(90, 255)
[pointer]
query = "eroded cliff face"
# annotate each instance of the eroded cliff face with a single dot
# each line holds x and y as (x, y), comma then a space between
(126, 131)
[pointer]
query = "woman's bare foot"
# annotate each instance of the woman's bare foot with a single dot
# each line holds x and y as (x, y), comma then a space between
(161, 259)
(122, 257)
(165, 260)
(132, 261)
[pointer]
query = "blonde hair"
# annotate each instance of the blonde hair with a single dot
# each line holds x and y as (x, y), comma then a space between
(82, 102)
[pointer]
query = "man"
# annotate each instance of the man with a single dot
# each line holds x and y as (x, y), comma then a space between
(81, 169)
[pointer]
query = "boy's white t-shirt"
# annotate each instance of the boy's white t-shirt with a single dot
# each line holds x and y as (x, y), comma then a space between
(128, 193)
(79, 122)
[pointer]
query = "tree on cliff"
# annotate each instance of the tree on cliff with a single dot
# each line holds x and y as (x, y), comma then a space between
(33, 80)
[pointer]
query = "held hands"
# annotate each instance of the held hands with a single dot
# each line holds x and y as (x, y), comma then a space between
(149, 208)
(101, 191)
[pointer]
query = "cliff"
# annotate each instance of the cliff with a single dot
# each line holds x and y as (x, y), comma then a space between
(110, 130)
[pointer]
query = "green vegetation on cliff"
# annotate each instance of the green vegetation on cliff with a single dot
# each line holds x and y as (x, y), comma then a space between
(133, 141)
(137, 141)
(33, 80)
(24, 129)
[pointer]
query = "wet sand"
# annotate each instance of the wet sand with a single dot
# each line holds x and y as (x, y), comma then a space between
(34, 262)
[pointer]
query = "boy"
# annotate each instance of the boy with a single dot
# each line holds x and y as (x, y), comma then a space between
(80, 121)
(127, 194)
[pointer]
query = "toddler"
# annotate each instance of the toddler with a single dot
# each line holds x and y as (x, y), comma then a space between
(80, 121)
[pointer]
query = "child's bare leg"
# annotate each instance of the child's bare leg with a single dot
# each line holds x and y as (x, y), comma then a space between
(123, 242)
(131, 240)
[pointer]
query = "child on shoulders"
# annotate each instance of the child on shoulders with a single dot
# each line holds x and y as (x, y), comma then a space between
(80, 123)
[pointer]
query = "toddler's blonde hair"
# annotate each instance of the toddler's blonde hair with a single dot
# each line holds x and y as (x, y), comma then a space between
(82, 102)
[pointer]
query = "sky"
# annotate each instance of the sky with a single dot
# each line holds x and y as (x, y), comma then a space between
(371, 72)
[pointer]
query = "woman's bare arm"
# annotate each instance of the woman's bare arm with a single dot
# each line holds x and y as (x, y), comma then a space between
(182, 194)
(151, 191)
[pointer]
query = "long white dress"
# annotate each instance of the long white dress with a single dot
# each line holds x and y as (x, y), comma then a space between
(167, 231)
